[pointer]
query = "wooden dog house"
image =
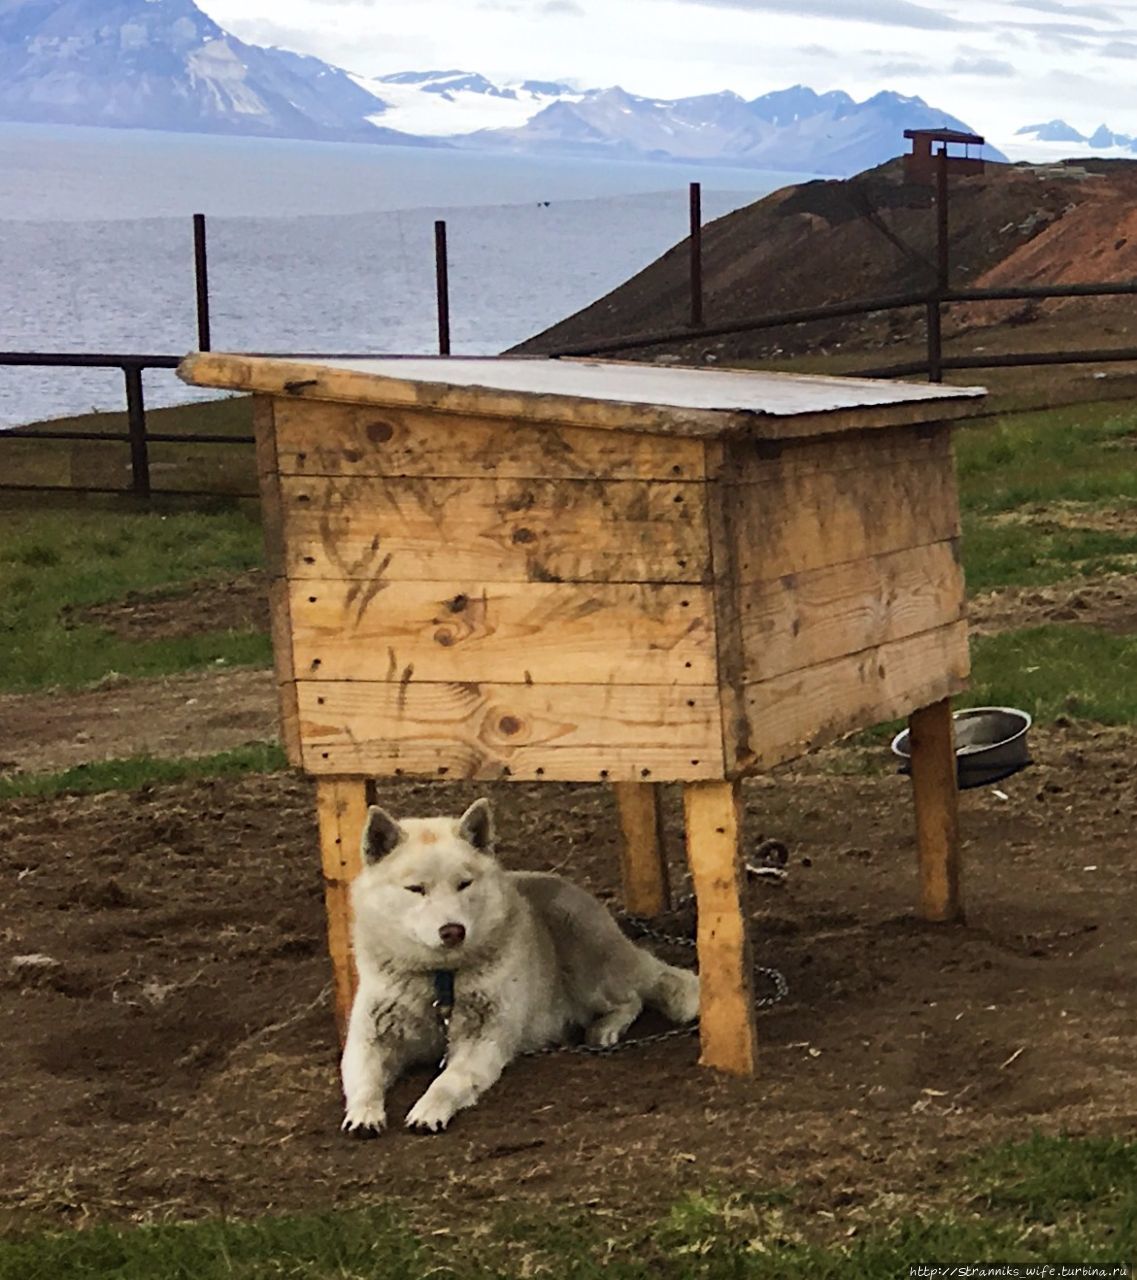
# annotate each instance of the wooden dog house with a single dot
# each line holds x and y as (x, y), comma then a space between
(576, 571)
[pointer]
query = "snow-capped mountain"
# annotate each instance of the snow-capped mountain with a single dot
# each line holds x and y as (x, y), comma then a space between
(1051, 131)
(442, 103)
(163, 64)
(791, 129)
(1057, 140)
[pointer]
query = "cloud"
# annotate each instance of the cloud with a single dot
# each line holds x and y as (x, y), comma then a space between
(1069, 81)
(563, 7)
(904, 67)
(1120, 49)
(817, 51)
(1049, 30)
(981, 67)
(1094, 12)
(887, 13)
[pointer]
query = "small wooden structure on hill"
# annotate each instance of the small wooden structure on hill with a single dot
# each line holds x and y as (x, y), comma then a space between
(576, 571)
(921, 162)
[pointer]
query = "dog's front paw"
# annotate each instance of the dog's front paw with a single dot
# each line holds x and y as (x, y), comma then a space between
(603, 1034)
(430, 1114)
(365, 1120)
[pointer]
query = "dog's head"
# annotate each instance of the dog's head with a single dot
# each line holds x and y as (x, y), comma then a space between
(430, 892)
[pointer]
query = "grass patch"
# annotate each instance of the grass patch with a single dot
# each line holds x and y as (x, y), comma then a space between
(1008, 554)
(225, 416)
(1047, 1178)
(1079, 453)
(145, 771)
(312, 1247)
(50, 559)
(1052, 1200)
(177, 465)
(1057, 670)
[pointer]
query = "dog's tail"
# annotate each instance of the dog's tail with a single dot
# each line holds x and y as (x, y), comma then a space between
(675, 992)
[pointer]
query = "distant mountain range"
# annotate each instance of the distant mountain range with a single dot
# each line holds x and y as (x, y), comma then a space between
(163, 64)
(1103, 139)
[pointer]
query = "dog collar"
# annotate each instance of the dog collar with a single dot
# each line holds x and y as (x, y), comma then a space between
(443, 994)
(443, 1006)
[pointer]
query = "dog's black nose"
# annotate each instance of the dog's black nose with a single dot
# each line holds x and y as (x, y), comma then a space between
(452, 934)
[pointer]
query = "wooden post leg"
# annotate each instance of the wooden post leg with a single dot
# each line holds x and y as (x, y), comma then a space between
(643, 861)
(936, 794)
(341, 805)
(726, 1006)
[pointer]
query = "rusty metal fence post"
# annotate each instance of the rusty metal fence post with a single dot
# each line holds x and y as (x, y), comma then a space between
(442, 283)
(201, 276)
(136, 419)
(696, 255)
(935, 302)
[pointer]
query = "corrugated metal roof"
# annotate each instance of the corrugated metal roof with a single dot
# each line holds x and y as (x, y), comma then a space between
(591, 392)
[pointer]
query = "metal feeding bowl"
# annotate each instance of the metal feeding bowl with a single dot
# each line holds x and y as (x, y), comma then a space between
(990, 744)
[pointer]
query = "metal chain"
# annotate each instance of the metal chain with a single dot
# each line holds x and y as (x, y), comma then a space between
(643, 929)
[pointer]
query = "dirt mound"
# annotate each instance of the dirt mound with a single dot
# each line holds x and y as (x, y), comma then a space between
(241, 604)
(171, 1049)
(870, 236)
(1092, 242)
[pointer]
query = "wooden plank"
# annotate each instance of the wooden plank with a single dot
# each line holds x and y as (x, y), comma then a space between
(796, 517)
(611, 396)
(527, 632)
(643, 858)
(580, 733)
(770, 461)
(282, 654)
(725, 521)
(805, 619)
(936, 795)
(323, 439)
(341, 809)
(272, 511)
(439, 530)
(264, 435)
(726, 1002)
(279, 605)
(792, 713)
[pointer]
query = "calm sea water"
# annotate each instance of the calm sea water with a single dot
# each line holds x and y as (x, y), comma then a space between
(312, 247)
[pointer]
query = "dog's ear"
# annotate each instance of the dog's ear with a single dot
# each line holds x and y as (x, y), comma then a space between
(476, 826)
(380, 834)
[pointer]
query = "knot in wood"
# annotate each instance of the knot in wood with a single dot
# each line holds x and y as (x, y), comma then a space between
(379, 432)
(457, 604)
(509, 725)
(524, 535)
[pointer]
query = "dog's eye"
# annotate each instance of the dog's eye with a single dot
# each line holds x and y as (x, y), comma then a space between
(464, 884)
(416, 888)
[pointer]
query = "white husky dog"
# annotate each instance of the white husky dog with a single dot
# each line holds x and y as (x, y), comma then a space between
(530, 957)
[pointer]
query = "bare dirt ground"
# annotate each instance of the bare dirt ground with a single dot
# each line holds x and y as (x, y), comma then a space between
(240, 604)
(1108, 603)
(164, 981)
(188, 715)
(173, 1052)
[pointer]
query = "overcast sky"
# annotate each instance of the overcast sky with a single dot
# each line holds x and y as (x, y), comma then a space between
(997, 64)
